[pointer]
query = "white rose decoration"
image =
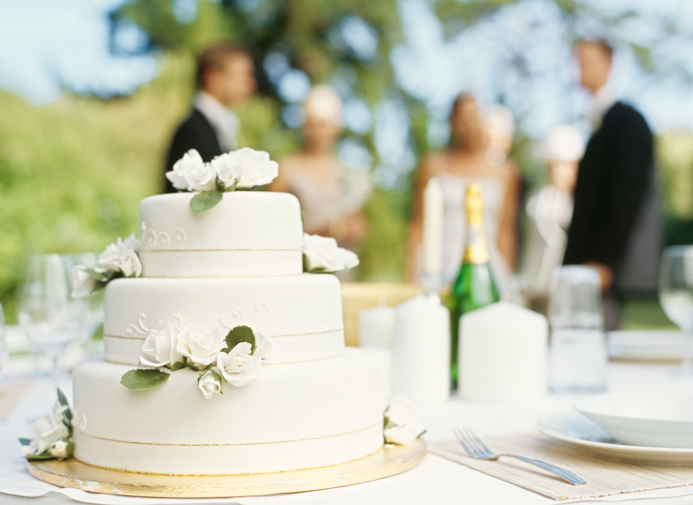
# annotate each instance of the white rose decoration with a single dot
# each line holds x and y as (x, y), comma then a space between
(238, 367)
(210, 384)
(228, 170)
(202, 178)
(121, 257)
(59, 449)
(199, 345)
(82, 283)
(160, 348)
(257, 167)
(263, 346)
(47, 430)
(322, 254)
(188, 163)
(402, 424)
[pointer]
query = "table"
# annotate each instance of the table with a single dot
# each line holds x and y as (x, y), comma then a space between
(435, 481)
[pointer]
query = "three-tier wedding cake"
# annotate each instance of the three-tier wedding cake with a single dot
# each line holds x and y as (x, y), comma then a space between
(222, 356)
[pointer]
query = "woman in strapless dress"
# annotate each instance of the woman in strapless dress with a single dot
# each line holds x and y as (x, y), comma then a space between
(331, 197)
(468, 159)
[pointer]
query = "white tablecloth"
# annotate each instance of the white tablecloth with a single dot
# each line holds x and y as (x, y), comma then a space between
(435, 481)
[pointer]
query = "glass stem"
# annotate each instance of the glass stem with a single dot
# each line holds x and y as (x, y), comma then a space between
(55, 358)
(687, 358)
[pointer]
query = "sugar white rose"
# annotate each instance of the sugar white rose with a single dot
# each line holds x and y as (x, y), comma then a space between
(402, 424)
(160, 348)
(257, 167)
(60, 449)
(263, 345)
(187, 164)
(228, 169)
(210, 384)
(202, 178)
(322, 254)
(47, 430)
(121, 257)
(238, 367)
(199, 345)
(82, 283)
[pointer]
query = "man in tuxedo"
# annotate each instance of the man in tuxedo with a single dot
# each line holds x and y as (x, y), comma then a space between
(615, 183)
(225, 78)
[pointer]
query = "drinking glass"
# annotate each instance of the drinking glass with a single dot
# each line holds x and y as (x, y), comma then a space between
(93, 303)
(577, 353)
(4, 348)
(48, 314)
(676, 295)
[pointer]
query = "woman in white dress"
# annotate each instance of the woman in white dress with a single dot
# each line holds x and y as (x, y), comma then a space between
(466, 160)
(331, 197)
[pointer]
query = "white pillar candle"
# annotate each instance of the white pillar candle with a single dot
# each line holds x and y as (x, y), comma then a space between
(433, 215)
(376, 326)
(421, 351)
(502, 355)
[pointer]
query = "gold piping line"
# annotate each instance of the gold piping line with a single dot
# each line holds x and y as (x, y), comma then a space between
(272, 336)
(231, 445)
(219, 250)
(263, 364)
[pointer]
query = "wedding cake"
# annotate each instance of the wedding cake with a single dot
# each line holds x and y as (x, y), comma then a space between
(223, 353)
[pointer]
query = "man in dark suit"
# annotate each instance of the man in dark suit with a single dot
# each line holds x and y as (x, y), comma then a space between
(615, 181)
(225, 78)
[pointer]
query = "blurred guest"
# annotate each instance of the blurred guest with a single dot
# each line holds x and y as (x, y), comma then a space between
(550, 209)
(224, 78)
(463, 162)
(331, 196)
(616, 176)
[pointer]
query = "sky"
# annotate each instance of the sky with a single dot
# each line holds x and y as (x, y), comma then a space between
(44, 43)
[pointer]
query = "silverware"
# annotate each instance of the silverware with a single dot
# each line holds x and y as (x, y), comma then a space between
(478, 450)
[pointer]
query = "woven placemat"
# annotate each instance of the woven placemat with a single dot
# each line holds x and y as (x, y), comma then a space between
(604, 477)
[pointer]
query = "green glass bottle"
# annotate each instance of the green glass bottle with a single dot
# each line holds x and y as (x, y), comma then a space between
(474, 287)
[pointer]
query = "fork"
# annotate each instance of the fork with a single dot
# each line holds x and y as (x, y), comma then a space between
(478, 450)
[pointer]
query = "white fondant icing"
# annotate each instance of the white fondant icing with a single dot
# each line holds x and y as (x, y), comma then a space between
(249, 233)
(293, 416)
(302, 314)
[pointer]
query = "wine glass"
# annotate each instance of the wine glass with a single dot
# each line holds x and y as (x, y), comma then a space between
(4, 349)
(676, 295)
(48, 314)
(93, 303)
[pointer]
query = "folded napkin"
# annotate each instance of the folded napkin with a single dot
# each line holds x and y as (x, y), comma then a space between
(10, 394)
(604, 477)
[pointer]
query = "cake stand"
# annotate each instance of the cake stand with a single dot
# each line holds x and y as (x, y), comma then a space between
(389, 460)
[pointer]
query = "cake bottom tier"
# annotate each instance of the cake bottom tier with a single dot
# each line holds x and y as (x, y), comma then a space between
(294, 416)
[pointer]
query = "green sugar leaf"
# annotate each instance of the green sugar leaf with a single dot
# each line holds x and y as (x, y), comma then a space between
(206, 200)
(143, 379)
(240, 334)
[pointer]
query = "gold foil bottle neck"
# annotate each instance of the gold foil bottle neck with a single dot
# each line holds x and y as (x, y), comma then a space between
(475, 251)
(474, 204)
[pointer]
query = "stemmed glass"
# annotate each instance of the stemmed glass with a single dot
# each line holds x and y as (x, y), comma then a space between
(93, 303)
(4, 349)
(48, 314)
(676, 295)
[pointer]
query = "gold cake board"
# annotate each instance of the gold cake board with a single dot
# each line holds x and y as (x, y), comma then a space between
(75, 474)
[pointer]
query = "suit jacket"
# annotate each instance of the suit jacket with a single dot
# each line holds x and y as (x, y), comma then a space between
(195, 132)
(615, 177)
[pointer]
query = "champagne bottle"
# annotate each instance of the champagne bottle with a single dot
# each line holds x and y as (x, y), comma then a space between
(474, 287)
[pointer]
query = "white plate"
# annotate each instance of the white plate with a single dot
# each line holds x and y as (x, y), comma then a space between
(645, 419)
(588, 436)
(645, 345)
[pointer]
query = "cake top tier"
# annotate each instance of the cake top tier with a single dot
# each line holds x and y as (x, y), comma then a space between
(248, 234)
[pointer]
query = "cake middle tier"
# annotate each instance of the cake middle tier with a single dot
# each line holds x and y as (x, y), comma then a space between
(301, 314)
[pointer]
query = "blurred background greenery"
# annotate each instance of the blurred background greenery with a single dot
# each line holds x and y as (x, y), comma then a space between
(72, 171)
